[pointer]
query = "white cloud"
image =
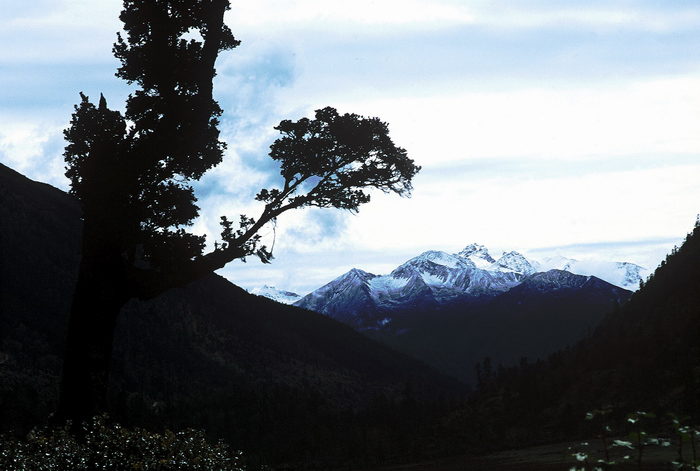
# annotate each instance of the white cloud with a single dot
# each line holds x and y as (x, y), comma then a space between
(655, 116)
(532, 213)
(336, 17)
(590, 15)
(343, 16)
(60, 31)
(33, 149)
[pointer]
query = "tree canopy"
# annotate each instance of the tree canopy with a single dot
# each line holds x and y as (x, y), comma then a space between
(133, 174)
(143, 162)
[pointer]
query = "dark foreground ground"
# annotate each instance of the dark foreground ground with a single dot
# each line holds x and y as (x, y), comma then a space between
(557, 457)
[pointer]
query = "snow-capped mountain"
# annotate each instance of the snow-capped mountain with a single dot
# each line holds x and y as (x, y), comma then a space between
(284, 297)
(452, 310)
(623, 274)
(436, 279)
(629, 275)
(478, 254)
(513, 262)
(348, 298)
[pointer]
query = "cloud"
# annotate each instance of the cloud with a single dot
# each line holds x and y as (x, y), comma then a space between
(595, 257)
(383, 15)
(600, 16)
(538, 124)
(612, 120)
(48, 32)
(51, 90)
(342, 16)
(33, 150)
(527, 212)
(312, 228)
(251, 76)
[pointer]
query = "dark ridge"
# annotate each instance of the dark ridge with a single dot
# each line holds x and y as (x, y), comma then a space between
(277, 381)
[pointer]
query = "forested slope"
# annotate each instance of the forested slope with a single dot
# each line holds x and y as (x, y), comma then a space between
(278, 381)
(644, 356)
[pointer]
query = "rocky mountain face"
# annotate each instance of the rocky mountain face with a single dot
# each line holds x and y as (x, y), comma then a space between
(426, 282)
(504, 271)
(436, 279)
(452, 310)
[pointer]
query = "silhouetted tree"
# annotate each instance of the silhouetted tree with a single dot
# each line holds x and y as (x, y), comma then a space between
(487, 368)
(479, 376)
(132, 174)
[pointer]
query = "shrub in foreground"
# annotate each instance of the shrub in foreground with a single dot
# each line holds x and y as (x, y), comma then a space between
(115, 448)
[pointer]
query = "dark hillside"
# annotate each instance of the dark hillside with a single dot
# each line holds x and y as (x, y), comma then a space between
(278, 381)
(644, 356)
(655, 339)
(291, 386)
(39, 252)
(545, 313)
(40, 248)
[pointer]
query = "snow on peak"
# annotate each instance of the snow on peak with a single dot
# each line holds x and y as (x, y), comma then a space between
(478, 255)
(284, 297)
(354, 276)
(357, 274)
(432, 263)
(556, 263)
(633, 274)
(439, 257)
(623, 274)
(513, 262)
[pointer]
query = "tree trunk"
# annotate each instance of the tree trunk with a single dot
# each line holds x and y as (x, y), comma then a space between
(97, 301)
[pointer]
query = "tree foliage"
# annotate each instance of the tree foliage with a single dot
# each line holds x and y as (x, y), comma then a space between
(329, 162)
(133, 174)
(143, 162)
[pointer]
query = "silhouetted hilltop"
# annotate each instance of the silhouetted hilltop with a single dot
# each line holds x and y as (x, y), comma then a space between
(292, 386)
(267, 377)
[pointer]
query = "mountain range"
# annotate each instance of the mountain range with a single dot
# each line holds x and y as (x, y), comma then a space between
(452, 311)
(300, 390)
(626, 275)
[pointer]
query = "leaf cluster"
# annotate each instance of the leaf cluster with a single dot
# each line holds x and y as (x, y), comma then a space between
(328, 162)
(335, 158)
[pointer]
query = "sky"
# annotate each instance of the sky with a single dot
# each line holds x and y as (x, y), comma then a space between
(548, 127)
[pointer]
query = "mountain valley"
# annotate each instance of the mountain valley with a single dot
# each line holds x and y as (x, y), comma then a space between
(452, 311)
(541, 345)
(271, 379)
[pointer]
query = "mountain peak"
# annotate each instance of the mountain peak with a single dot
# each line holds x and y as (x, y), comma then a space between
(431, 262)
(439, 257)
(284, 297)
(477, 254)
(633, 274)
(513, 262)
(356, 273)
(557, 262)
